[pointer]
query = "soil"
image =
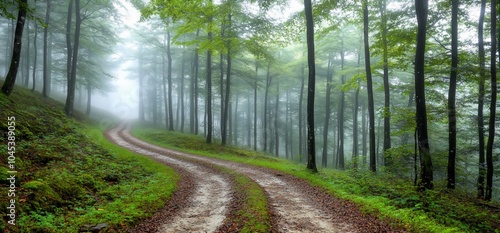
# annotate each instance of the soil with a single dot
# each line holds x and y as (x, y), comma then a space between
(296, 205)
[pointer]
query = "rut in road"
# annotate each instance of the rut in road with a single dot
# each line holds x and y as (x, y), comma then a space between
(295, 210)
(210, 200)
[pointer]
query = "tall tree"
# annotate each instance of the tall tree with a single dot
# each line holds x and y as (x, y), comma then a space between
(169, 85)
(452, 120)
(369, 85)
(10, 80)
(311, 147)
(493, 104)
(329, 76)
(46, 75)
(480, 101)
(70, 98)
(387, 99)
(426, 172)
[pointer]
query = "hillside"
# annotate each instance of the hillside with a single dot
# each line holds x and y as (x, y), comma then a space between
(66, 176)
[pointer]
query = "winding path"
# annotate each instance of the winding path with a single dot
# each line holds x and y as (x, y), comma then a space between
(297, 206)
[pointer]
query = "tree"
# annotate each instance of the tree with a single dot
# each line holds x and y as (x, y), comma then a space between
(369, 85)
(387, 99)
(493, 105)
(311, 147)
(46, 75)
(10, 80)
(70, 98)
(426, 173)
(480, 101)
(452, 119)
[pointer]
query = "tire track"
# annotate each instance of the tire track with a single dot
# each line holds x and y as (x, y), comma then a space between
(295, 210)
(207, 206)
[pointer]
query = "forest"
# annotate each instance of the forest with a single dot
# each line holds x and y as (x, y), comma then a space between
(402, 88)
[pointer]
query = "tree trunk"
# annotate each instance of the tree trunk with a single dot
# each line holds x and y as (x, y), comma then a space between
(329, 76)
(426, 173)
(340, 117)
(249, 123)
(35, 56)
(169, 80)
(255, 106)
(10, 80)
(493, 105)
(208, 102)
(46, 77)
(69, 48)
(480, 104)
(302, 150)
(72, 82)
(181, 98)
(193, 122)
(89, 99)
(266, 96)
(355, 129)
(228, 89)
(311, 147)
(387, 99)
(27, 77)
(369, 85)
(276, 126)
(452, 120)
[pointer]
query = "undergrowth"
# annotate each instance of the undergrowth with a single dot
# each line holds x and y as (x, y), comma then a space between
(69, 175)
(390, 198)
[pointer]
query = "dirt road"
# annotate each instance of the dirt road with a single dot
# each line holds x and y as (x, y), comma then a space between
(298, 206)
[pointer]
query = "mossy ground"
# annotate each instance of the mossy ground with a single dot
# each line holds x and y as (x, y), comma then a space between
(390, 198)
(69, 175)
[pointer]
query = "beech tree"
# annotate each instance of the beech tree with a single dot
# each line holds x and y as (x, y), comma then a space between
(426, 173)
(10, 79)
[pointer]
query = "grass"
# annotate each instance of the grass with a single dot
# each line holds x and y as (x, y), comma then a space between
(69, 175)
(388, 197)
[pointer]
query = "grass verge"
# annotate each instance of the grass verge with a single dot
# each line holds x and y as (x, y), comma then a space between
(390, 198)
(69, 175)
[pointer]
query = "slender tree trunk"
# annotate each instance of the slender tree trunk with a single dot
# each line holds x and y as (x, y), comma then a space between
(208, 102)
(169, 80)
(369, 85)
(255, 106)
(228, 88)
(302, 150)
(89, 99)
(480, 104)
(311, 147)
(493, 105)
(387, 99)
(452, 120)
(35, 56)
(181, 97)
(69, 47)
(46, 77)
(10, 80)
(196, 70)
(27, 77)
(355, 129)
(426, 173)
(364, 138)
(329, 76)
(249, 123)
(72, 82)
(340, 117)
(266, 97)
(276, 126)
(142, 117)
(234, 128)
(288, 123)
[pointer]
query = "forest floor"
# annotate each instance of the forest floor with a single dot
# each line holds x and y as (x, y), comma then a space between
(295, 205)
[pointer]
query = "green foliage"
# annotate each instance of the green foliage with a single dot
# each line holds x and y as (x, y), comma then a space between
(70, 175)
(386, 196)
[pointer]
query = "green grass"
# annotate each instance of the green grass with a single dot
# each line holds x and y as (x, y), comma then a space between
(69, 175)
(253, 216)
(390, 198)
